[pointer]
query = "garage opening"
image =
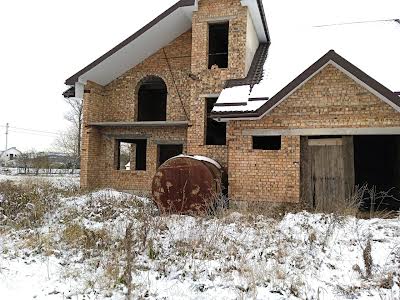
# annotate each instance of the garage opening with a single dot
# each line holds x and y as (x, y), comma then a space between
(166, 152)
(376, 164)
(218, 44)
(131, 155)
(152, 99)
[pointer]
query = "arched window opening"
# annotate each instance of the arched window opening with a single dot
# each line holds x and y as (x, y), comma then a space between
(152, 99)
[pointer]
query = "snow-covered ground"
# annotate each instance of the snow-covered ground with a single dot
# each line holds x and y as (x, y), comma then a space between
(79, 252)
(61, 181)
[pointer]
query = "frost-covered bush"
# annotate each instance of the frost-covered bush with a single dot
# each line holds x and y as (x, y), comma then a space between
(24, 205)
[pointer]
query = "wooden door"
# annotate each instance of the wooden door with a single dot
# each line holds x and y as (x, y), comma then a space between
(327, 172)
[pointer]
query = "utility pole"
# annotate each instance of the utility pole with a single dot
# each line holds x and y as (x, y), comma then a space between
(7, 126)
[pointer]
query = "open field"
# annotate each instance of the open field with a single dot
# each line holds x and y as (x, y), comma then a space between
(56, 243)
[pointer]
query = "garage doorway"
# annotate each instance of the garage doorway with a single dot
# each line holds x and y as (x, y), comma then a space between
(377, 165)
(333, 168)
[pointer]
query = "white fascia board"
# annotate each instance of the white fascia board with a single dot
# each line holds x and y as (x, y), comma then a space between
(151, 41)
(256, 17)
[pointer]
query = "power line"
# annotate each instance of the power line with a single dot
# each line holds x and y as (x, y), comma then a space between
(31, 130)
(356, 22)
(32, 133)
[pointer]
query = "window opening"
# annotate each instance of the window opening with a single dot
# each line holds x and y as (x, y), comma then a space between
(218, 44)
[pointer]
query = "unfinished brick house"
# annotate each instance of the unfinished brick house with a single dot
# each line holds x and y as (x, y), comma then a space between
(301, 117)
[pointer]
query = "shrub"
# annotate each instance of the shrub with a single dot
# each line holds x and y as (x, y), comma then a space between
(24, 205)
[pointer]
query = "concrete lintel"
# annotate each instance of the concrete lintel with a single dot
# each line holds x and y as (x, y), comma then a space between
(142, 124)
(127, 136)
(166, 142)
(324, 131)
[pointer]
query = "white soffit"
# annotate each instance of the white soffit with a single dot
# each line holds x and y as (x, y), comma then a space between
(161, 34)
(257, 19)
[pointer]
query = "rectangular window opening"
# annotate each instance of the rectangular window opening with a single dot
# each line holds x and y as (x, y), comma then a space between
(267, 142)
(132, 155)
(218, 45)
(166, 152)
(215, 131)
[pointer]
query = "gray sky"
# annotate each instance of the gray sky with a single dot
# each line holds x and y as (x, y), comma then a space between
(46, 41)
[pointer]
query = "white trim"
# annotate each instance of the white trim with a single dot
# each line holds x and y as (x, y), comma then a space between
(255, 14)
(209, 95)
(323, 131)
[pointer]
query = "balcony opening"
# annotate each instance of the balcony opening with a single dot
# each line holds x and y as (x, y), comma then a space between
(152, 99)
(218, 45)
(215, 131)
(131, 155)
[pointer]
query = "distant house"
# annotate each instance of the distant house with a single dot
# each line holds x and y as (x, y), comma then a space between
(8, 157)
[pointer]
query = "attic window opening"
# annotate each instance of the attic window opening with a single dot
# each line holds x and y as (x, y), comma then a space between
(218, 45)
(131, 155)
(152, 99)
(215, 131)
(267, 143)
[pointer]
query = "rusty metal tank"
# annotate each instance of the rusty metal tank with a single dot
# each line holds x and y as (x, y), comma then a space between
(187, 185)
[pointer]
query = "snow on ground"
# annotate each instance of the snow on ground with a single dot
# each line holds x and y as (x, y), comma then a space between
(79, 252)
(60, 181)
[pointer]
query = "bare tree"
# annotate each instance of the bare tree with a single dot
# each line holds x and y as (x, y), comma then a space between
(70, 140)
(69, 143)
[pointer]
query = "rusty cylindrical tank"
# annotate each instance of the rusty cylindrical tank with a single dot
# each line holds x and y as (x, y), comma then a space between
(187, 185)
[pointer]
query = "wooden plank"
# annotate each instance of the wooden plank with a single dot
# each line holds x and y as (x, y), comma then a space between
(325, 142)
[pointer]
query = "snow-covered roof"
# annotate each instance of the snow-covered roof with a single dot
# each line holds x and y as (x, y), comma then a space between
(372, 47)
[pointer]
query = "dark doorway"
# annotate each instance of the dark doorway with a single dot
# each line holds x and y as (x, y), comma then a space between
(166, 152)
(218, 45)
(377, 163)
(215, 131)
(152, 99)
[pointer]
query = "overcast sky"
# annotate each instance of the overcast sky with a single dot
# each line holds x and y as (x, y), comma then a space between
(43, 42)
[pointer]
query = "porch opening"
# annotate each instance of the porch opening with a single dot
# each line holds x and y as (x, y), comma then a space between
(215, 131)
(166, 152)
(218, 44)
(377, 164)
(131, 155)
(152, 100)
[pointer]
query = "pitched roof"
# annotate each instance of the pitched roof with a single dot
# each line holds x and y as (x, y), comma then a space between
(372, 47)
(159, 32)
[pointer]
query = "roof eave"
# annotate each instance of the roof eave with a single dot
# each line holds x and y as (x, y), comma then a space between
(182, 3)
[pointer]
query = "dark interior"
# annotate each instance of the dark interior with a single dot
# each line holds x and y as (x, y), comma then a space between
(215, 131)
(218, 45)
(166, 152)
(152, 100)
(267, 142)
(376, 163)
